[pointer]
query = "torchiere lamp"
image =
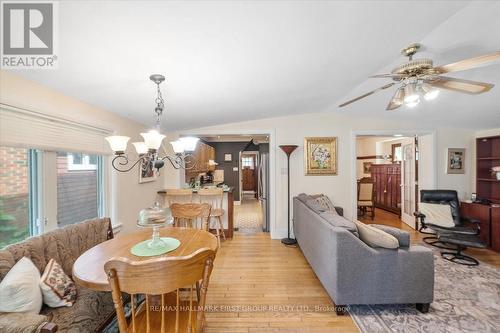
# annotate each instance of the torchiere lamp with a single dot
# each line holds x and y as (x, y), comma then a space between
(288, 149)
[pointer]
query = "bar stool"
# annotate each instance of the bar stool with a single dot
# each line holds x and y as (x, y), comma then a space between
(178, 195)
(214, 197)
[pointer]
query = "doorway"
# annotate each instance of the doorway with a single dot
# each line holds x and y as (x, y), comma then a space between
(242, 163)
(388, 168)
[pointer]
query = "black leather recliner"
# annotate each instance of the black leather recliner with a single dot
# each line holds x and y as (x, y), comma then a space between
(464, 234)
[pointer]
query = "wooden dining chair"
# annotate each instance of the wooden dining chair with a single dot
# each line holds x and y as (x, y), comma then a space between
(214, 197)
(366, 196)
(178, 195)
(191, 215)
(165, 308)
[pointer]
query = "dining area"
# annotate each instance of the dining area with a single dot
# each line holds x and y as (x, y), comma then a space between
(158, 276)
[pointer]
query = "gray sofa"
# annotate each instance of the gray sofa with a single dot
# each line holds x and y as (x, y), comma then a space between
(92, 309)
(353, 272)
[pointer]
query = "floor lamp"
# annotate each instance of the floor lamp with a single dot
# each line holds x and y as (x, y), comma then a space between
(288, 149)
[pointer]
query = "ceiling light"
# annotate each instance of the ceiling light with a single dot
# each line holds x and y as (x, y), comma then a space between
(398, 135)
(429, 92)
(413, 104)
(189, 142)
(411, 94)
(140, 147)
(118, 143)
(148, 150)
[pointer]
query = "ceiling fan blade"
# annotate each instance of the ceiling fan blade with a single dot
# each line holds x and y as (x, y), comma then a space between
(367, 94)
(386, 76)
(465, 64)
(461, 85)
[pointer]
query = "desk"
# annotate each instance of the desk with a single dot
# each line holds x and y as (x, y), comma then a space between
(88, 270)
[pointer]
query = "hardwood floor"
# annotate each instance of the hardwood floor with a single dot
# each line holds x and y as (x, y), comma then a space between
(387, 218)
(271, 288)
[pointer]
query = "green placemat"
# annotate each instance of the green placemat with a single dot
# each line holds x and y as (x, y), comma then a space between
(142, 250)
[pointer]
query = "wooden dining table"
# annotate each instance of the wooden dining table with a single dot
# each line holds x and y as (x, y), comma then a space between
(88, 270)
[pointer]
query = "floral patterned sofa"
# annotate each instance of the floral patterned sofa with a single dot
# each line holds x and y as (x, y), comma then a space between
(92, 309)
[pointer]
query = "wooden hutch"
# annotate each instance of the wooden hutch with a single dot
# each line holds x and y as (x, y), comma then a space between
(487, 206)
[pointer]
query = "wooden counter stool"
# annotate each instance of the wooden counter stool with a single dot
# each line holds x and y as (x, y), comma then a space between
(178, 195)
(188, 215)
(214, 197)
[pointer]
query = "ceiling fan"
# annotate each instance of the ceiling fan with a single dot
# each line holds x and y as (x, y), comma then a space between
(418, 77)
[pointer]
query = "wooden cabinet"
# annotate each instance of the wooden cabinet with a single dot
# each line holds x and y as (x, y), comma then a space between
(495, 229)
(387, 182)
(487, 157)
(483, 214)
(201, 156)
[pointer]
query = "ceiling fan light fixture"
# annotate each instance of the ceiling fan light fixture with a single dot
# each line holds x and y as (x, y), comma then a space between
(414, 103)
(429, 92)
(411, 94)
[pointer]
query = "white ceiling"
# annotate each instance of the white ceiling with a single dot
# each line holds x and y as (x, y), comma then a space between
(234, 61)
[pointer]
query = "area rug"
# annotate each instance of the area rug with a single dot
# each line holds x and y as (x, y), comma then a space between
(466, 299)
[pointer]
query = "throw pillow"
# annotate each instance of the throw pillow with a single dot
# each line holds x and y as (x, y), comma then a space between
(326, 202)
(57, 288)
(375, 237)
(402, 236)
(20, 290)
(437, 214)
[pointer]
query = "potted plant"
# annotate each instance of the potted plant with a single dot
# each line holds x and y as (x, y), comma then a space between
(496, 170)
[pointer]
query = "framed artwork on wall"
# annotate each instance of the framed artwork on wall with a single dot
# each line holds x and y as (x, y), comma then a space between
(455, 161)
(320, 156)
(228, 157)
(367, 167)
(147, 173)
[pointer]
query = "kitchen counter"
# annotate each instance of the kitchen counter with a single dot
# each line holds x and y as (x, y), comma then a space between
(227, 205)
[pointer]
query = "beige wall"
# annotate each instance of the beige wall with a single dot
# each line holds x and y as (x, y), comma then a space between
(340, 188)
(127, 196)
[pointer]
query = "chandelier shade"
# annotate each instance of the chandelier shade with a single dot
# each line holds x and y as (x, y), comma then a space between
(118, 143)
(140, 147)
(189, 142)
(153, 139)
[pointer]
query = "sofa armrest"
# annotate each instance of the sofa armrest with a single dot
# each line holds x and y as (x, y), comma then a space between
(25, 323)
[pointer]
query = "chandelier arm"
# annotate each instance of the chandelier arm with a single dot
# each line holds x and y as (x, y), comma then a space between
(123, 160)
(175, 161)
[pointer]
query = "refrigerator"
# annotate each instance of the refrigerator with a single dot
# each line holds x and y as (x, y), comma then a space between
(263, 189)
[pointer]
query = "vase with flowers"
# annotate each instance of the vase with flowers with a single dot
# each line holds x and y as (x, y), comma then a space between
(496, 170)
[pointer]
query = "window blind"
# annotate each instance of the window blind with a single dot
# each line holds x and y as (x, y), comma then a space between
(30, 129)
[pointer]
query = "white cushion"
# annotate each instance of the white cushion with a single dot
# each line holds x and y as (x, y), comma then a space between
(20, 289)
(375, 237)
(57, 288)
(437, 214)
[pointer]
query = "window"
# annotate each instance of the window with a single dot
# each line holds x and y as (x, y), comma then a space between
(78, 161)
(26, 211)
(14, 195)
(247, 162)
(78, 187)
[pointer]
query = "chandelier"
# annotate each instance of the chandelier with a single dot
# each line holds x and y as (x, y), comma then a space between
(148, 150)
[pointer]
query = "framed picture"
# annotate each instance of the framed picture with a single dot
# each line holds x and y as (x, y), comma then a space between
(320, 156)
(455, 161)
(367, 167)
(147, 173)
(228, 157)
